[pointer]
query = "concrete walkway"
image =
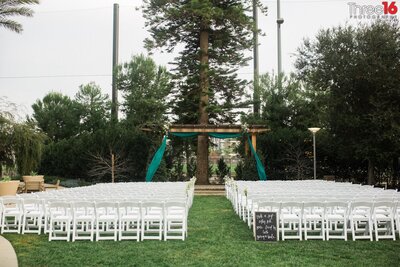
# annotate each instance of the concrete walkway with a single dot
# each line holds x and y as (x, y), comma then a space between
(8, 258)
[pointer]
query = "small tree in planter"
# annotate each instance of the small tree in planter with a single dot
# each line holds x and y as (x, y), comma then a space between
(222, 169)
(8, 187)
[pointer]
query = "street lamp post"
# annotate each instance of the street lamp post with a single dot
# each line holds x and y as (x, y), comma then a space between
(314, 130)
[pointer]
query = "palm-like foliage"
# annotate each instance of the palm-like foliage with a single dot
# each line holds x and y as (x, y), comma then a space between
(10, 8)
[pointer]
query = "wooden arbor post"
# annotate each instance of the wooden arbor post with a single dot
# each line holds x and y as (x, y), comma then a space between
(202, 169)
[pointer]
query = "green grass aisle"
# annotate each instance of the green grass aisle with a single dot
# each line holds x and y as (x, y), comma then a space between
(217, 237)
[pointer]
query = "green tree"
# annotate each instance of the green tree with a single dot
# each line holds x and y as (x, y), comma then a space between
(57, 115)
(95, 107)
(358, 70)
(288, 108)
(11, 8)
(6, 145)
(21, 143)
(215, 35)
(222, 169)
(145, 87)
(28, 144)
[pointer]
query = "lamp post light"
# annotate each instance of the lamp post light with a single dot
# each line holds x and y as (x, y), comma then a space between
(314, 130)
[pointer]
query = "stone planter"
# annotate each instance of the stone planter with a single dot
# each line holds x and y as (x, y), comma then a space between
(9, 188)
(33, 183)
(33, 178)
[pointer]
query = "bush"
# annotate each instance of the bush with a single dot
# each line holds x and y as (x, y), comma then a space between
(222, 169)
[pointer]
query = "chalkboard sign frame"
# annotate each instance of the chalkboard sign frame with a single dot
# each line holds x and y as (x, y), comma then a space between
(263, 224)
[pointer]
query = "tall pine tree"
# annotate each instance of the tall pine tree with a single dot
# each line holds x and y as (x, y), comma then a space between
(214, 35)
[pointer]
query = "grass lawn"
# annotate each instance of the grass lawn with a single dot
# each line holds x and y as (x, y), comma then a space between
(217, 237)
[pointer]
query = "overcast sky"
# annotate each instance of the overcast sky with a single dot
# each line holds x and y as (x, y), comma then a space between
(69, 42)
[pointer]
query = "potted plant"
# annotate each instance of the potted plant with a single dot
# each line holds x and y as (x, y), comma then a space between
(33, 175)
(33, 182)
(8, 187)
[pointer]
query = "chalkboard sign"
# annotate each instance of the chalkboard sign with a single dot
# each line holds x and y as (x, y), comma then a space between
(265, 226)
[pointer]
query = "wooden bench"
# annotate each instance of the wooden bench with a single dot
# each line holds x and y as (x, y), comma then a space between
(33, 183)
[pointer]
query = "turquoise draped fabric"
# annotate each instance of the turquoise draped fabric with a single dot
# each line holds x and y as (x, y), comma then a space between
(155, 162)
(184, 134)
(225, 135)
(260, 168)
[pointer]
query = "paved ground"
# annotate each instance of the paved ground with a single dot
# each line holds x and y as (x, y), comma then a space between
(8, 258)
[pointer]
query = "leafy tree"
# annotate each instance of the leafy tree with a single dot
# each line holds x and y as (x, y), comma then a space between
(28, 143)
(145, 87)
(222, 169)
(95, 107)
(57, 115)
(214, 35)
(6, 149)
(246, 169)
(288, 108)
(10, 8)
(21, 143)
(358, 70)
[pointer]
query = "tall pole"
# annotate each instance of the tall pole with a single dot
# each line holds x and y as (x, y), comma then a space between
(315, 158)
(279, 22)
(114, 108)
(314, 130)
(256, 94)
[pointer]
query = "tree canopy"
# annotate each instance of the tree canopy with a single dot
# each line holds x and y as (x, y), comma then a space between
(358, 72)
(11, 8)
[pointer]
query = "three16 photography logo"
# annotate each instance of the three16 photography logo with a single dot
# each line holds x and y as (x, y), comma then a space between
(387, 10)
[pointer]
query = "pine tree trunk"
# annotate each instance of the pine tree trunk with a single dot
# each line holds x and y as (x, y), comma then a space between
(371, 173)
(202, 140)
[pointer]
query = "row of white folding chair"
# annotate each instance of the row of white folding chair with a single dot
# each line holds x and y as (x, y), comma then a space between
(17, 213)
(363, 218)
(302, 218)
(247, 204)
(112, 220)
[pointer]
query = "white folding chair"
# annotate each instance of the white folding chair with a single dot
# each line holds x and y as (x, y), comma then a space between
(46, 218)
(152, 220)
(60, 217)
(314, 220)
(291, 220)
(361, 220)
(129, 217)
(336, 216)
(33, 212)
(106, 221)
(175, 220)
(383, 217)
(12, 213)
(84, 217)
(253, 206)
(397, 215)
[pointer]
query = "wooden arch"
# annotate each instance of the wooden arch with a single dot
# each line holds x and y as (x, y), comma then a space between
(203, 129)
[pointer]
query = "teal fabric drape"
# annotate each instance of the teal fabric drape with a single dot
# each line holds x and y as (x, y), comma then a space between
(155, 162)
(225, 135)
(260, 168)
(184, 134)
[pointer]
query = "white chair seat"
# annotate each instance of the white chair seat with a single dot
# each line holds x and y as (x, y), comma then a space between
(107, 217)
(312, 217)
(334, 217)
(289, 217)
(130, 217)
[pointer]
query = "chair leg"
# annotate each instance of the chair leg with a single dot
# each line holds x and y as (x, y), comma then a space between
(370, 226)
